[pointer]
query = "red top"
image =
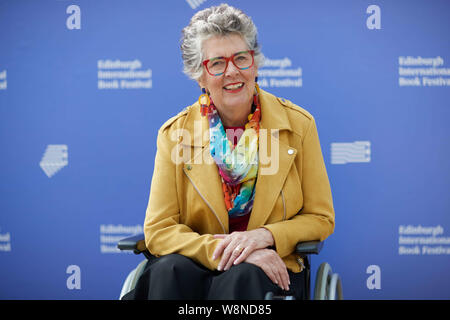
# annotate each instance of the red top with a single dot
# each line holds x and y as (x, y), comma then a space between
(237, 223)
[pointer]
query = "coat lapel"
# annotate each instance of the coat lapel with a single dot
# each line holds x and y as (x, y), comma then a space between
(274, 124)
(268, 186)
(202, 170)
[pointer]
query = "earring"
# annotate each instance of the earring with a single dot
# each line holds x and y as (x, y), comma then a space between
(204, 102)
(256, 79)
(255, 96)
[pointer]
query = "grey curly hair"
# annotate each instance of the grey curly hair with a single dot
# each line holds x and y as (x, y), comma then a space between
(219, 20)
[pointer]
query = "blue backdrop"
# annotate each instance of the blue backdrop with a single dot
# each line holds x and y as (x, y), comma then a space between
(85, 85)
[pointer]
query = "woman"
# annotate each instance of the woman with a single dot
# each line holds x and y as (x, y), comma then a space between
(223, 218)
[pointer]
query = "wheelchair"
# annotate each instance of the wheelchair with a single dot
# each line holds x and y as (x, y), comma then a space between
(328, 285)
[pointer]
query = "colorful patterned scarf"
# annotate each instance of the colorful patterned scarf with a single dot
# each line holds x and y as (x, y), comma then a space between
(238, 167)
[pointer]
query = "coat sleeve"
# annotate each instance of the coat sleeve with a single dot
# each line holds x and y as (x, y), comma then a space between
(315, 221)
(164, 234)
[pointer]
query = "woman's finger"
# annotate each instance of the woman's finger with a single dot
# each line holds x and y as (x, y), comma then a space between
(221, 246)
(268, 271)
(230, 253)
(267, 261)
(276, 273)
(283, 274)
(226, 253)
(243, 249)
(245, 253)
(237, 251)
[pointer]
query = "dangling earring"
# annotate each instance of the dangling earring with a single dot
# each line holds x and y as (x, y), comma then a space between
(256, 88)
(255, 96)
(204, 102)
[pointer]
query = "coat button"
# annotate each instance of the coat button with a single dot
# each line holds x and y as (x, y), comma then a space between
(290, 151)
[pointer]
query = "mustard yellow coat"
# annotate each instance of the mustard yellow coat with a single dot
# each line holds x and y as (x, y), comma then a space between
(186, 205)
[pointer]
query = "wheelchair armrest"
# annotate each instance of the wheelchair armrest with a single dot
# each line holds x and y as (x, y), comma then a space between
(135, 243)
(309, 247)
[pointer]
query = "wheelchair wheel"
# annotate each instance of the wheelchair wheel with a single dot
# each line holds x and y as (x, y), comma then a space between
(328, 285)
(335, 288)
(132, 278)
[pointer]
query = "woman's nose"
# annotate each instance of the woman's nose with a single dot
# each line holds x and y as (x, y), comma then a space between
(231, 69)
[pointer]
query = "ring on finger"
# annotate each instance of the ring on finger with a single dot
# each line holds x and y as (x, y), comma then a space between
(239, 249)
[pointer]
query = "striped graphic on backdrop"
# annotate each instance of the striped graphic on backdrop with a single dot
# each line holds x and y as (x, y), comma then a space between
(347, 152)
(54, 159)
(195, 3)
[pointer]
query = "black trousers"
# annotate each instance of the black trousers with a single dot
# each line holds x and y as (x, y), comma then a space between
(176, 277)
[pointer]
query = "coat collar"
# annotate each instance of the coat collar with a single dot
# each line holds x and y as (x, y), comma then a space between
(275, 114)
(204, 175)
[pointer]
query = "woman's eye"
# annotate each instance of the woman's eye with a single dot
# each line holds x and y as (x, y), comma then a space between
(216, 63)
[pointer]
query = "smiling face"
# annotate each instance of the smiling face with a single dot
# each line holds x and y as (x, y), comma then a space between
(232, 92)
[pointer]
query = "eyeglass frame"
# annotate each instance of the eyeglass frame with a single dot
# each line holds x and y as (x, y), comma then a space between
(228, 59)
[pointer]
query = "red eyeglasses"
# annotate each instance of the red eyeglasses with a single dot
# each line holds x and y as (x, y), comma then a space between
(241, 60)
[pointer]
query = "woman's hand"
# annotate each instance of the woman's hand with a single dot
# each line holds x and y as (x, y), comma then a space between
(272, 265)
(237, 246)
